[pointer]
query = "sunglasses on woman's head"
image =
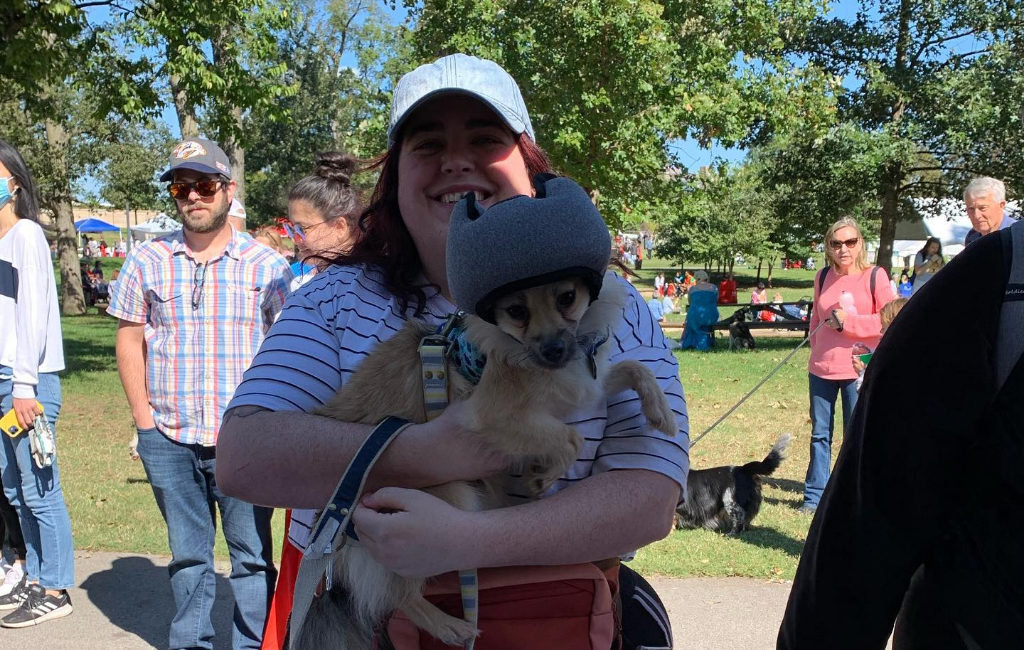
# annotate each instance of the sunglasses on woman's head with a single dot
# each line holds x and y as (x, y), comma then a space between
(838, 245)
(205, 188)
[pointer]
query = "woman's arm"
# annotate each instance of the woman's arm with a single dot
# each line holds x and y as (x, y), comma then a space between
(34, 288)
(870, 325)
(292, 459)
(602, 516)
(920, 263)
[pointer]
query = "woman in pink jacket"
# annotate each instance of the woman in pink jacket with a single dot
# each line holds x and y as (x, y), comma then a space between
(848, 295)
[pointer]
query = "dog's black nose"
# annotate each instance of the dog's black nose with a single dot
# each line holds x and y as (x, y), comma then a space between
(553, 351)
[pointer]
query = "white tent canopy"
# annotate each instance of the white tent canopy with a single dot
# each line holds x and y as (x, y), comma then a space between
(159, 225)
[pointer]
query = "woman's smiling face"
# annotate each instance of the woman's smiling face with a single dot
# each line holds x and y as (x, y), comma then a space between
(452, 145)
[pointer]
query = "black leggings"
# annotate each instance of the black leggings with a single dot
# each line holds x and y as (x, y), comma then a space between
(10, 527)
(645, 622)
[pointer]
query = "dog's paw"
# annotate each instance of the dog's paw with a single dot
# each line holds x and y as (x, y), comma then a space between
(455, 631)
(133, 448)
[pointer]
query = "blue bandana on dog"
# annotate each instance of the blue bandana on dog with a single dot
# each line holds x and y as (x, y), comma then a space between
(466, 357)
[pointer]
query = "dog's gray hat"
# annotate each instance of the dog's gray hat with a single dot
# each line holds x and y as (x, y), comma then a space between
(525, 242)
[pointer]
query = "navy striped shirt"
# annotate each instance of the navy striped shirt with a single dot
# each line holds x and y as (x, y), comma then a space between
(333, 321)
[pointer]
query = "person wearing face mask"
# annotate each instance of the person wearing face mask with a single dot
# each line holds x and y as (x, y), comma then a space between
(31, 355)
(457, 125)
(848, 295)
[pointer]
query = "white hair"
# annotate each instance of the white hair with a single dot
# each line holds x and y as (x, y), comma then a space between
(986, 186)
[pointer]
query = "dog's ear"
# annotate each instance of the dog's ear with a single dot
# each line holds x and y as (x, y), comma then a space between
(539, 182)
(472, 209)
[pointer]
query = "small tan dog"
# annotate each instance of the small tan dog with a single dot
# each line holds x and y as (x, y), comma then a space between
(543, 360)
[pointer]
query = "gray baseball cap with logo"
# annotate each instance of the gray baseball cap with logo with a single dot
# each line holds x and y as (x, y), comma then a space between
(198, 155)
(459, 73)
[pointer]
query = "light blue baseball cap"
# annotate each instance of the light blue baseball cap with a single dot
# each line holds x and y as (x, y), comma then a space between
(459, 73)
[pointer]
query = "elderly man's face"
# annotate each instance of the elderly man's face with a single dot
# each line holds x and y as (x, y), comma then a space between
(986, 213)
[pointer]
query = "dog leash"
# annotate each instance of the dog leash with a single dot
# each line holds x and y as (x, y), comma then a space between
(761, 383)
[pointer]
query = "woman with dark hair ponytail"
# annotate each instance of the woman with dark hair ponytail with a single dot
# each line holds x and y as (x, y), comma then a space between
(31, 355)
(324, 209)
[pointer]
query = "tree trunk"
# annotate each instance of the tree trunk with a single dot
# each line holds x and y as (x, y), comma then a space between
(236, 157)
(890, 215)
(230, 137)
(72, 298)
(771, 263)
(759, 263)
(182, 106)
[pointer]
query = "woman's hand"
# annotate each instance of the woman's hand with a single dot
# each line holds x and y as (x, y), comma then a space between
(836, 320)
(413, 533)
(858, 365)
(457, 452)
(26, 411)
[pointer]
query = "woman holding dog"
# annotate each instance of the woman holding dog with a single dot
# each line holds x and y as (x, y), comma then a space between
(31, 355)
(927, 262)
(457, 125)
(848, 297)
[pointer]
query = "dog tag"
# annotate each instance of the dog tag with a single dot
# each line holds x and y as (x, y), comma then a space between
(592, 363)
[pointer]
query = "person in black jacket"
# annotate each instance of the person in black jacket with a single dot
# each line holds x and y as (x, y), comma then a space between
(920, 524)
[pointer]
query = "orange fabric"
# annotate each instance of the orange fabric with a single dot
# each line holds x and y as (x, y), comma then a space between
(544, 608)
(276, 631)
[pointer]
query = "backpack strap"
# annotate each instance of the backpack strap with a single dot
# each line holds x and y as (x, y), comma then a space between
(874, 283)
(821, 279)
(1010, 341)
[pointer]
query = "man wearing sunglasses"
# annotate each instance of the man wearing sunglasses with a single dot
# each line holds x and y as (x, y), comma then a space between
(194, 307)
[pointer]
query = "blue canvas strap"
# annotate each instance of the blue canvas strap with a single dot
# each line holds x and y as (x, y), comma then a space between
(337, 517)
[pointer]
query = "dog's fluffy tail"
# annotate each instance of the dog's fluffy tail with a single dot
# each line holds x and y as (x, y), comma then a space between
(772, 461)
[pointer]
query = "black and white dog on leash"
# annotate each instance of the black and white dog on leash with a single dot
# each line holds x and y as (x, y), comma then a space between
(728, 498)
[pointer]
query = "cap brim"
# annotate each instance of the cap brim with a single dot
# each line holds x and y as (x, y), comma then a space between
(510, 119)
(191, 166)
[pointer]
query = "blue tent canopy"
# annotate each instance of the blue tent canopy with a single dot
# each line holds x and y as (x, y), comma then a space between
(95, 225)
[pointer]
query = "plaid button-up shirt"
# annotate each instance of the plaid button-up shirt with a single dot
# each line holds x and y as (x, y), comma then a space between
(199, 339)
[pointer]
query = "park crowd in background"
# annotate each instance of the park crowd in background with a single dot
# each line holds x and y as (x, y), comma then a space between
(196, 307)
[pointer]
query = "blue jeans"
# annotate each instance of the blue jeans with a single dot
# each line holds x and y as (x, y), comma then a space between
(182, 477)
(823, 410)
(36, 493)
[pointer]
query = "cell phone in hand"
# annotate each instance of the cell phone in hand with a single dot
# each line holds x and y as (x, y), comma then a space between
(9, 423)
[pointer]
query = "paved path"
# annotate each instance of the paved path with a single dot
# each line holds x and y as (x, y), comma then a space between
(123, 602)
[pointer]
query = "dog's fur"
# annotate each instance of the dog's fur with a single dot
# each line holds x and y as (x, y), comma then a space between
(728, 498)
(537, 372)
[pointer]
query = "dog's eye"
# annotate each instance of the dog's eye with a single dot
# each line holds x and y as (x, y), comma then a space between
(567, 299)
(516, 312)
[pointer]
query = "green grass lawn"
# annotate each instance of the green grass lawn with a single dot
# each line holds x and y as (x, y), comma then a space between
(112, 506)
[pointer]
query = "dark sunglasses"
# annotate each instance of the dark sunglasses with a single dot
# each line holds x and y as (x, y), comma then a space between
(198, 281)
(180, 190)
(838, 245)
